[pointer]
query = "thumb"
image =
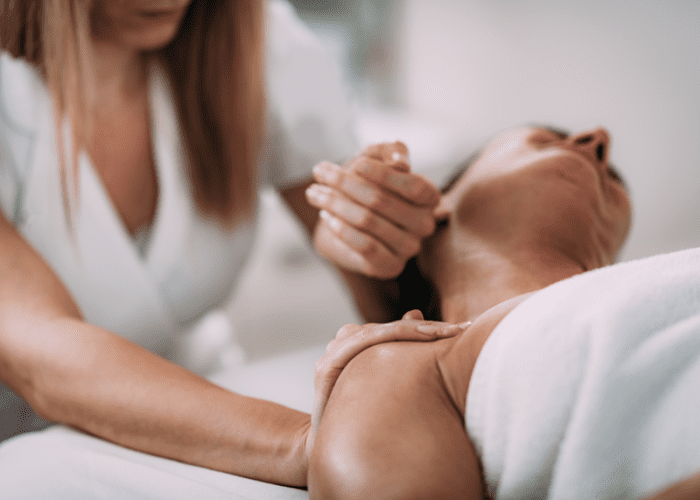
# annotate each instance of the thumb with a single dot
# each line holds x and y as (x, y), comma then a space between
(415, 314)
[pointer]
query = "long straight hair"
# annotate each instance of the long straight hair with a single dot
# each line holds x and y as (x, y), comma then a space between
(215, 66)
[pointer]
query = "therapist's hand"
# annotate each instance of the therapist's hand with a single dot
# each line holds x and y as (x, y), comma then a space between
(351, 340)
(374, 211)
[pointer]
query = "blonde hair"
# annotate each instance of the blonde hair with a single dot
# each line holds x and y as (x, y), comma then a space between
(215, 66)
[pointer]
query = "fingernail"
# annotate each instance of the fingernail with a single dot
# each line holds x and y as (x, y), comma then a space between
(334, 222)
(326, 173)
(451, 330)
(318, 193)
(465, 325)
(396, 156)
(323, 214)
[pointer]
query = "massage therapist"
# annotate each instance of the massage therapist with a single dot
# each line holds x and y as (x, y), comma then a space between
(134, 136)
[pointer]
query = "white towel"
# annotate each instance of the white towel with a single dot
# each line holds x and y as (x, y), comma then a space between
(591, 387)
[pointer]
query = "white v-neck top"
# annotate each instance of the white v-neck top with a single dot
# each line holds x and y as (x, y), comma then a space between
(189, 264)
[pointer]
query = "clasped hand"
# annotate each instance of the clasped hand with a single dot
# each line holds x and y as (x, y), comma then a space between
(374, 211)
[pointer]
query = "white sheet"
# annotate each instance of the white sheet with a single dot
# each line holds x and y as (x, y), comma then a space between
(60, 463)
(590, 388)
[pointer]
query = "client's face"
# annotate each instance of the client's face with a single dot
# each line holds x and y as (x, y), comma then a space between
(533, 186)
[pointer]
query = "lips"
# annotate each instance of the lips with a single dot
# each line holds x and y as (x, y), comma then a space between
(164, 15)
(158, 10)
(158, 14)
(164, 5)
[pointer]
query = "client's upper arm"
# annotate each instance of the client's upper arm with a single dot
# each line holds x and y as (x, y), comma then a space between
(390, 430)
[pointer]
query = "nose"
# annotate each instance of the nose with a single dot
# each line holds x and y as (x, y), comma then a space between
(595, 144)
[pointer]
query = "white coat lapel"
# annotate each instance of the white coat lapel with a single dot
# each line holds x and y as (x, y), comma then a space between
(123, 295)
(175, 211)
(99, 264)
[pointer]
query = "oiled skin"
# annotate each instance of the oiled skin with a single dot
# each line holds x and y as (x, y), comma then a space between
(394, 425)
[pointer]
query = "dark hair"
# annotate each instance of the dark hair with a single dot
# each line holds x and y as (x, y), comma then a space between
(415, 291)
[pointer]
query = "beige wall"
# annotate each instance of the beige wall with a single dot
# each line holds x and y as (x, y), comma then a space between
(631, 66)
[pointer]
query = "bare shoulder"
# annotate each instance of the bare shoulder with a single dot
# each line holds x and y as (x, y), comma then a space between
(390, 430)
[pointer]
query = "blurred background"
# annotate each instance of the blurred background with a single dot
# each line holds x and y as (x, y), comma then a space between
(445, 75)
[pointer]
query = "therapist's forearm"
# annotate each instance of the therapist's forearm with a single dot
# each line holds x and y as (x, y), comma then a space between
(92, 379)
(102, 384)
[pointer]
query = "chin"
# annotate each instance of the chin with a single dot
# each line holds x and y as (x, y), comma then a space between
(153, 39)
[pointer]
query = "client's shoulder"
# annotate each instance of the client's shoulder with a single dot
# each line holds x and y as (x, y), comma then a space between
(390, 430)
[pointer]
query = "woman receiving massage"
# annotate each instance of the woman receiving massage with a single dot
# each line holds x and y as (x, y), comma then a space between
(594, 400)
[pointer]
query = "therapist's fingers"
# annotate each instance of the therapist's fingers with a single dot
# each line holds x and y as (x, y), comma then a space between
(397, 178)
(350, 330)
(353, 339)
(360, 192)
(354, 250)
(374, 211)
(401, 246)
(413, 314)
(364, 230)
(367, 232)
(395, 153)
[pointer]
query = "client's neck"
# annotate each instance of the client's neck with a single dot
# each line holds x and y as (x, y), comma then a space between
(482, 278)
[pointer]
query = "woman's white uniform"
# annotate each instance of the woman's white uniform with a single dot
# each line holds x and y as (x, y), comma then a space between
(152, 288)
